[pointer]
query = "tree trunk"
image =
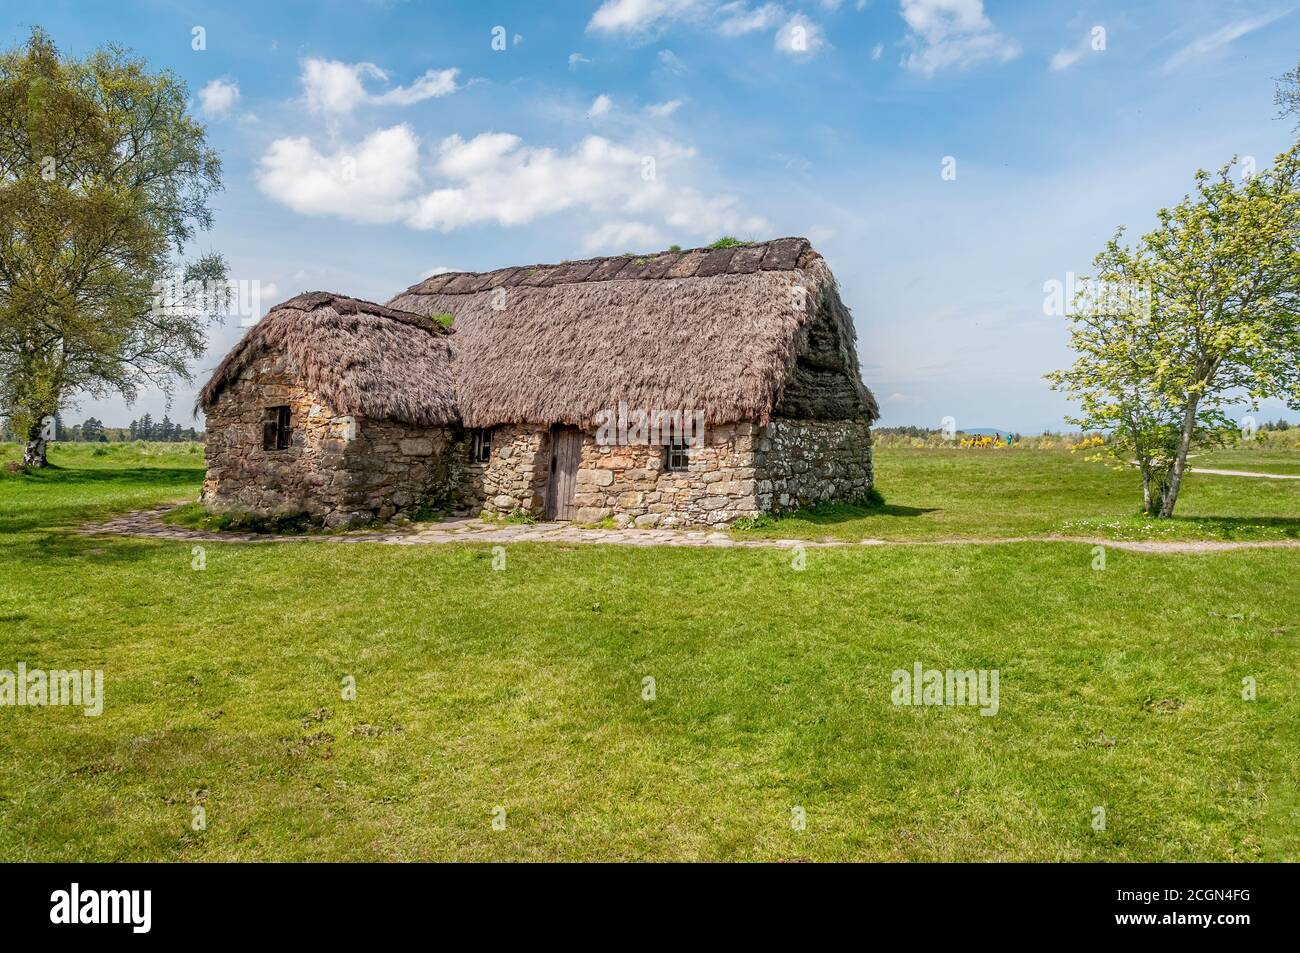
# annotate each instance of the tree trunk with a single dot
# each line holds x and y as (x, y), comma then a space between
(34, 449)
(1169, 493)
(1146, 489)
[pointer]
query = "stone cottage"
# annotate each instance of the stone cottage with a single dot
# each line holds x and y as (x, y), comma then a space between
(680, 388)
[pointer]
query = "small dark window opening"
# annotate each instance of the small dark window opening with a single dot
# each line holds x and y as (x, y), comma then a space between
(480, 445)
(676, 459)
(275, 428)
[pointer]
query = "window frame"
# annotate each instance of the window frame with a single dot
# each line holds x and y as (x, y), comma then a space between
(676, 450)
(480, 445)
(277, 428)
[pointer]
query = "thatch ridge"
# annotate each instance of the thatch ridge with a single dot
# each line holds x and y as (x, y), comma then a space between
(777, 254)
(363, 358)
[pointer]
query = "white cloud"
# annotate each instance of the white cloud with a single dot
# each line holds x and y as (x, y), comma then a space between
(1220, 38)
(496, 179)
(639, 16)
(600, 106)
(334, 87)
(729, 18)
(799, 37)
(878, 51)
(671, 62)
(436, 270)
(218, 98)
(615, 237)
(662, 110)
(509, 183)
(952, 33)
(574, 60)
(1064, 59)
(738, 18)
(367, 183)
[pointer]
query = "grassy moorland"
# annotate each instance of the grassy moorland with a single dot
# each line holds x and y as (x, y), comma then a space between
(522, 689)
(935, 493)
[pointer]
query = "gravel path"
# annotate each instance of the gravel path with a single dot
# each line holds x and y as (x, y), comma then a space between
(148, 524)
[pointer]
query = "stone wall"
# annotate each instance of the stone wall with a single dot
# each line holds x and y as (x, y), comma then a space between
(803, 462)
(631, 484)
(337, 470)
(514, 480)
(741, 470)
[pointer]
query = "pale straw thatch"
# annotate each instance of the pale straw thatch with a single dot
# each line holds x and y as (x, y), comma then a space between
(362, 358)
(717, 330)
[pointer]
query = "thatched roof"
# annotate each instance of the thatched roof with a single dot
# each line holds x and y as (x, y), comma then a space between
(719, 330)
(361, 357)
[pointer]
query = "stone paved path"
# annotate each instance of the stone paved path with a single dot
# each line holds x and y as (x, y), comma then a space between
(149, 524)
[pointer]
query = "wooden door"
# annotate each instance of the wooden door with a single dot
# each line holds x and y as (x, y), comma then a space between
(566, 451)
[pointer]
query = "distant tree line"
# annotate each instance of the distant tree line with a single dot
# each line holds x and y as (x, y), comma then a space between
(92, 430)
(923, 433)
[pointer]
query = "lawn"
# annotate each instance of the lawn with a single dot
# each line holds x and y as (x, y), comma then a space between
(935, 493)
(521, 691)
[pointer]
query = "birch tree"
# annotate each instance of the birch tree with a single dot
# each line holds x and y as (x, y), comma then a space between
(1201, 315)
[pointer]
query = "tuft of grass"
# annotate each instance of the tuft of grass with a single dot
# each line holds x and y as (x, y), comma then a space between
(445, 318)
(520, 517)
(727, 241)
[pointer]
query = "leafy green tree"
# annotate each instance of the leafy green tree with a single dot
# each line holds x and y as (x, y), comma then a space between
(1201, 314)
(1287, 96)
(92, 430)
(104, 180)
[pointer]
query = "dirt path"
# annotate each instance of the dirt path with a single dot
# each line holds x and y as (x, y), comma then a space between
(148, 524)
(1247, 473)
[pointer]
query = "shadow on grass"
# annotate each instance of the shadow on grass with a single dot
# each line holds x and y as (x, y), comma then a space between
(828, 514)
(55, 546)
(1230, 526)
(141, 476)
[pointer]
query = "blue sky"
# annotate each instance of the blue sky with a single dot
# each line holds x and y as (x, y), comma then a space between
(367, 144)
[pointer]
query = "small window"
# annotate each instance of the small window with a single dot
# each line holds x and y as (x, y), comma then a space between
(676, 459)
(275, 428)
(480, 445)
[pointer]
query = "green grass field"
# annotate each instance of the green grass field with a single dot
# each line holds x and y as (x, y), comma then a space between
(522, 689)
